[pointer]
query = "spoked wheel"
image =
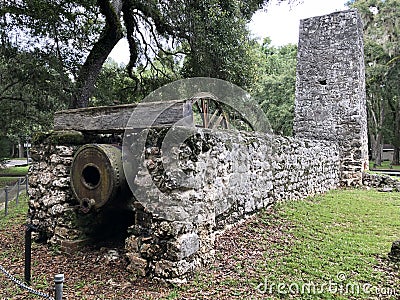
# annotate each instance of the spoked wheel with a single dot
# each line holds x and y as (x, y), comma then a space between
(208, 112)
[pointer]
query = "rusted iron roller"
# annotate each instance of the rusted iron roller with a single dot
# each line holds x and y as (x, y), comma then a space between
(97, 175)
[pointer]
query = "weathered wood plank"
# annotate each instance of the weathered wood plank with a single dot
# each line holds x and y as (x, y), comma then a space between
(108, 119)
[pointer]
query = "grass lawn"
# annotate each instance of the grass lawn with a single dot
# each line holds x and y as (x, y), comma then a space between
(16, 215)
(327, 247)
(8, 175)
(332, 246)
(15, 171)
(385, 165)
(341, 238)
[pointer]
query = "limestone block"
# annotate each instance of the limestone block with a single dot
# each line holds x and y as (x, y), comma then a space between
(64, 150)
(184, 246)
(61, 170)
(169, 269)
(58, 209)
(45, 178)
(63, 182)
(132, 244)
(137, 264)
(164, 229)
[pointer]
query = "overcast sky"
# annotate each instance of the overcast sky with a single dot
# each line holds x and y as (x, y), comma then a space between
(279, 22)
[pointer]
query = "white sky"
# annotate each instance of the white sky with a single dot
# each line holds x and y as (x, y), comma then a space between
(279, 22)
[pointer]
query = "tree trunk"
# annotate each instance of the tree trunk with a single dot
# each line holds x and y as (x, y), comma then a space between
(12, 154)
(377, 149)
(90, 70)
(20, 149)
(372, 141)
(396, 140)
(377, 119)
(396, 154)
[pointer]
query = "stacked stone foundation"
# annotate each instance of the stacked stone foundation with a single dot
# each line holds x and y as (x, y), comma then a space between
(237, 175)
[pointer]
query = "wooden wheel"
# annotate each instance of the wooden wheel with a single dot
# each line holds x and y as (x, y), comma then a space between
(210, 111)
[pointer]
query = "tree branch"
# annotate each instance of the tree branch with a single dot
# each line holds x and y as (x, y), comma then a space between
(130, 25)
(110, 36)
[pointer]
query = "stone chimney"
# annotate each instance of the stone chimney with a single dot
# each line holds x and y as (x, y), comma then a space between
(330, 89)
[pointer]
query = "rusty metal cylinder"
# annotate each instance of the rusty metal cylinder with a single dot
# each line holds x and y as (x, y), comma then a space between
(97, 175)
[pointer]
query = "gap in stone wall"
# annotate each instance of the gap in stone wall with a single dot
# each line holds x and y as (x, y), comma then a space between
(115, 226)
(109, 227)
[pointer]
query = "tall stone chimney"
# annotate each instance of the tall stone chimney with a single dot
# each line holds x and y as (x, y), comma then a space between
(330, 89)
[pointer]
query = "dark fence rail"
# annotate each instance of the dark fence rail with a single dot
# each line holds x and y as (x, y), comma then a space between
(10, 193)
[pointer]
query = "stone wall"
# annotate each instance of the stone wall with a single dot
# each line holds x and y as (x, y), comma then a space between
(330, 88)
(52, 207)
(234, 174)
(382, 182)
(49, 191)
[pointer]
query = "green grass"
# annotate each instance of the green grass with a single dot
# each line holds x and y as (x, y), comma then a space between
(16, 213)
(15, 171)
(385, 165)
(8, 175)
(332, 246)
(339, 238)
(13, 252)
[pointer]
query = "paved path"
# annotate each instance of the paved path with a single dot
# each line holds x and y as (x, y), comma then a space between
(15, 162)
(391, 173)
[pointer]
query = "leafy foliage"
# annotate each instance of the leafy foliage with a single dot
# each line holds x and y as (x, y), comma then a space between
(113, 86)
(5, 149)
(211, 34)
(277, 90)
(382, 58)
(30, 90)
(61, 29)
(220, 45)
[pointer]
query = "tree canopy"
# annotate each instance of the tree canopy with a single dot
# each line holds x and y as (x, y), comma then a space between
(79, 35)
(277, 87)
(30, 90)
(53, 53)
(382, 59)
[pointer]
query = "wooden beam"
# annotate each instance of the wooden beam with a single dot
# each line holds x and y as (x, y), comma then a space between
(109, 119)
